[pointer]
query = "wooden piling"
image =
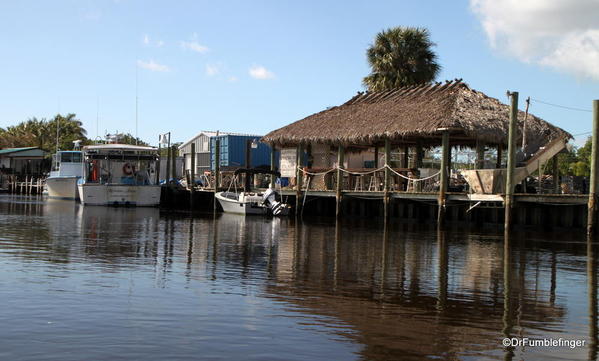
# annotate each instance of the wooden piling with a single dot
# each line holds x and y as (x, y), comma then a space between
(174, 162)
(299, 175)
(511, 160)
(340, 154)
(387, 184)
(272, 165)
(168, 165)
(216, 168)
(443, 175)
(592, 207)
(192, 174)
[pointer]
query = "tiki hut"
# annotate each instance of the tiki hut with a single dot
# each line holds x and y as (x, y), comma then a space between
(415, 114)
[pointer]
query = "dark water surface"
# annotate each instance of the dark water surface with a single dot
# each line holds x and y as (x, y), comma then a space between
(96, 283)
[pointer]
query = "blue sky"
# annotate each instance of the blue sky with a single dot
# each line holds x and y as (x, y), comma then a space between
(254, 66)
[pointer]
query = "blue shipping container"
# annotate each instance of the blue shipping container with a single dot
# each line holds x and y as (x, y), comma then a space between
(232, 151)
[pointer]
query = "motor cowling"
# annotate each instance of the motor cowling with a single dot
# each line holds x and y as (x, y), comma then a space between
(269, 198)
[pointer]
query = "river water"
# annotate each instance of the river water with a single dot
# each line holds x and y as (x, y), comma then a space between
(97, 283)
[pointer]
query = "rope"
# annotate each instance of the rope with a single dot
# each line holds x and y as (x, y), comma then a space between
(314, 174)
(361, 173)
(413, 179)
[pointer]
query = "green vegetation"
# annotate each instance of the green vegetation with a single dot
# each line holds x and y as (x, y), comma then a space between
(401, 56)
(42, 133)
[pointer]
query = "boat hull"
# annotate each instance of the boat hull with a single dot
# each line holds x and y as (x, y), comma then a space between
(62, 187)
(119, 195)
(233, 206)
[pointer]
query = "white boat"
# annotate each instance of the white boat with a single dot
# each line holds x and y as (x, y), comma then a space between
(119, 174)
(67, 169)
(247, 202)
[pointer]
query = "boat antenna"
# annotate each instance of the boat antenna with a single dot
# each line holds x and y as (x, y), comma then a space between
(97, 116)
(136, 101)
(58, 125)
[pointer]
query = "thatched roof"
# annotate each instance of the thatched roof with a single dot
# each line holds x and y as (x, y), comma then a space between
(414, 113)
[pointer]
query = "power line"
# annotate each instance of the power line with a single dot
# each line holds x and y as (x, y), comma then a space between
(576, 135)
(561, 106)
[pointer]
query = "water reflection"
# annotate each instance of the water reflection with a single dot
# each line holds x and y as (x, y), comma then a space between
(257, 287)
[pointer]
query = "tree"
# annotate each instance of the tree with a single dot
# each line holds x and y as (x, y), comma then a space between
(401, 56)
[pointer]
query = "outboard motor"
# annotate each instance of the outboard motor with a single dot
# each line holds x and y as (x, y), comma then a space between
(269, 198)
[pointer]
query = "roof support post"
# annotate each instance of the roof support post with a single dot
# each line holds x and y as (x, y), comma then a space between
(499, 155)
(445, 152)
(592, 215)
(419, 154)
(511, 160)
(387, 184)
(340, 156)
(272, 165)
(298, 178)
(376, 157)
(480, 154)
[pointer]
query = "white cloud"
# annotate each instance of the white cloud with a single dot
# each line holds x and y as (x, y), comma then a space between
(148, 42)
(153, 66)
(212, 69)
(194, 45)
(260, 72)
(561, 34)
(232, 79)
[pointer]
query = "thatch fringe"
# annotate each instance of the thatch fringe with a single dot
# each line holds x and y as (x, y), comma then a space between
(414, 113)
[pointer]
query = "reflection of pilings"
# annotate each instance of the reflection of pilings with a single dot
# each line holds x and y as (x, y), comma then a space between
(214, 245)
(507, 303)
(443, 269)
(553, 277)
(592, 292)
(189, 248)
(384, 256)
(336, 255)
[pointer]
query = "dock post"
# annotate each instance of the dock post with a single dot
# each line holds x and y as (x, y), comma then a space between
(192, 174)
(340, 154)
(272, 165)
(174, 162)
(299, 175)
(216, 168)
(511, 160)
(592, 211)
(445, 150)
(168, 165)
(387, 185)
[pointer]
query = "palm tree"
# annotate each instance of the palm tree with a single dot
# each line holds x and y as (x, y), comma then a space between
(401, 56)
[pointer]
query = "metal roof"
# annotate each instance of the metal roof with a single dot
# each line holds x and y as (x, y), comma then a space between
(15, 150)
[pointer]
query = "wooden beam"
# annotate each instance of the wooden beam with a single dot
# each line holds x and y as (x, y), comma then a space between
(298, 178)
(340, 156)
(444, 177)
(272, 165)
(387, 184)
(480, 154)
(592, 207)
(511, 160)
(192, 174)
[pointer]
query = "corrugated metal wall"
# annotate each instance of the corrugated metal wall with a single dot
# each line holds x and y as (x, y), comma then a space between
(232, 151)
